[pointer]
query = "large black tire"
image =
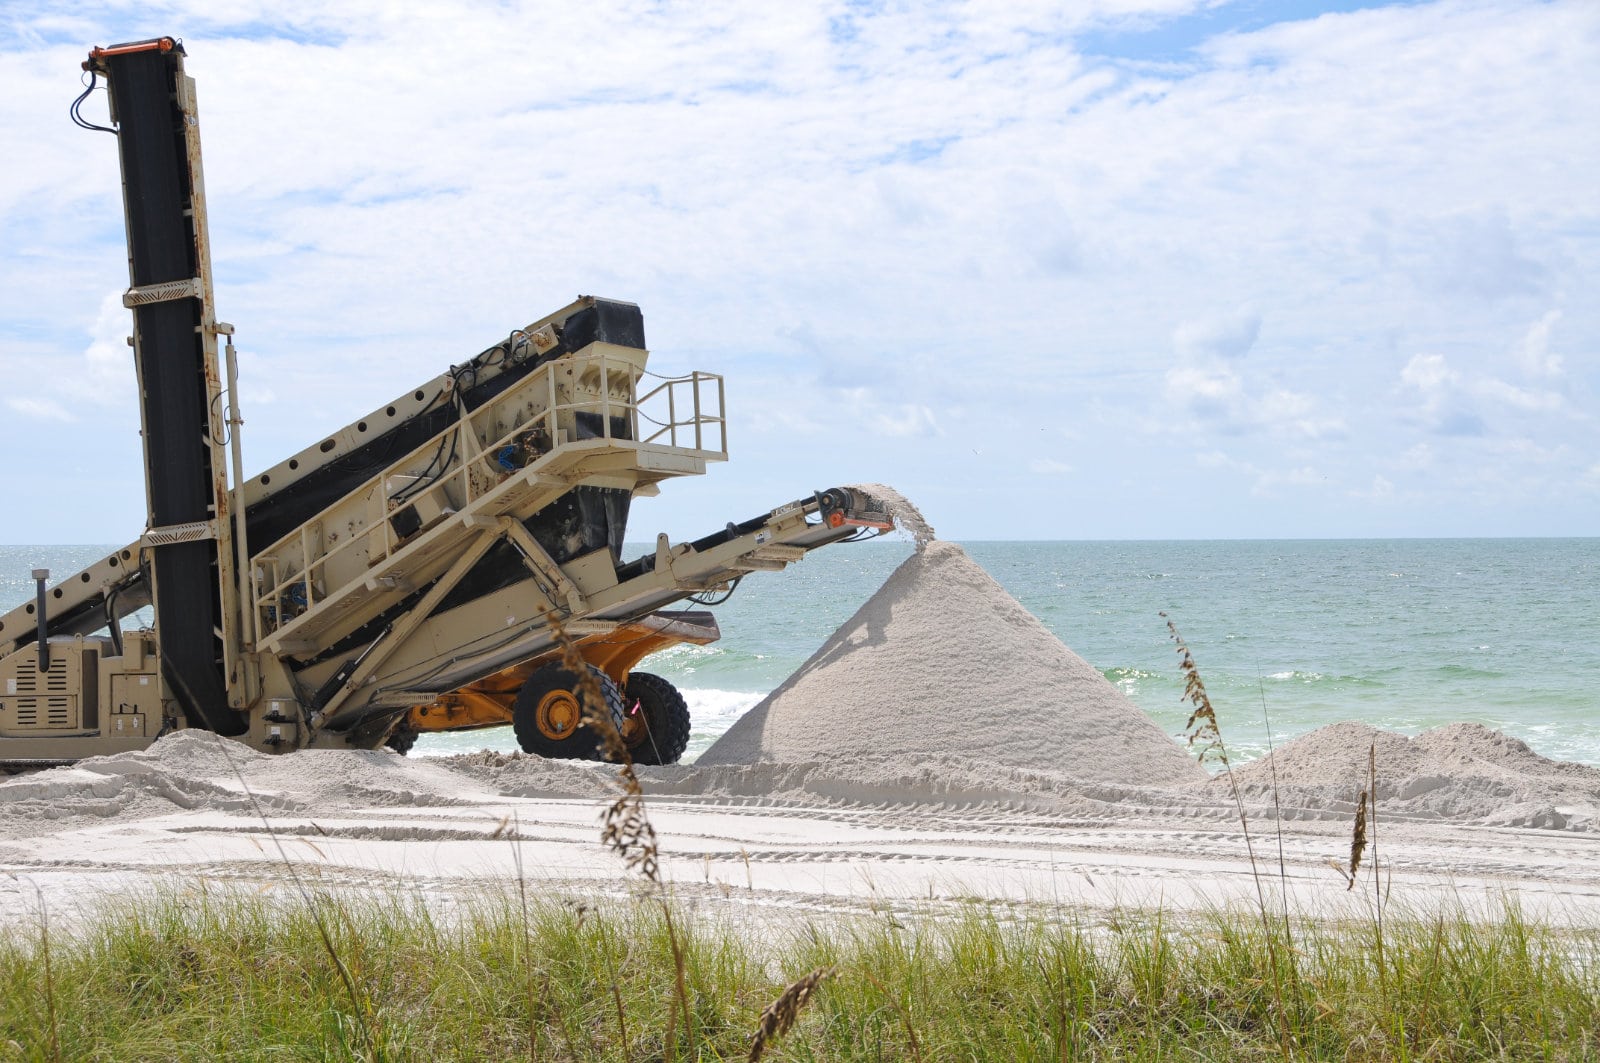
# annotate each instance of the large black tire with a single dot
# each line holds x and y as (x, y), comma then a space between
(548, 714)
(660, 732)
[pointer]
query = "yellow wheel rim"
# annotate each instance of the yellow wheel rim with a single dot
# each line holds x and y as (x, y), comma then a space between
(558, 715)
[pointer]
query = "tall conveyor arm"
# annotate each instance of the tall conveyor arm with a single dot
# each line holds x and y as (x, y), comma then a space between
(175, 350)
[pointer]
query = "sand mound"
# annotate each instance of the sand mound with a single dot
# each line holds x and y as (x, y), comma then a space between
(197, 770)
(1479, 749)
(1336, 755)
(1463, 772)
(943, 661)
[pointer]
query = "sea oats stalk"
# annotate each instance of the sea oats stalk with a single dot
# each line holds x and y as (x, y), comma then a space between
(625, 826)
(781, 1014)
(1358, 838)
(1203, 729)
(1277, 802)
(1377, 878)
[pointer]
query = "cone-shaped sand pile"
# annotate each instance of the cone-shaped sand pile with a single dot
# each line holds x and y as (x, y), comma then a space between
(942, 660)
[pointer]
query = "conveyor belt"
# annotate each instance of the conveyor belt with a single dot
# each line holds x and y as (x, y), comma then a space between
(281, 498)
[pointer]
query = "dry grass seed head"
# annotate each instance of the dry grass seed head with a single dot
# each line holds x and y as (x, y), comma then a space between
(1358, 838)
(782, 1013)
(1202, 725)
(625, 828)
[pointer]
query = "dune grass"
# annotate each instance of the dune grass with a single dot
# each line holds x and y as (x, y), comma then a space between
(247, 976)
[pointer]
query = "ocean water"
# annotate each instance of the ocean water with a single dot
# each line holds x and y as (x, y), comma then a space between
(1288, 635)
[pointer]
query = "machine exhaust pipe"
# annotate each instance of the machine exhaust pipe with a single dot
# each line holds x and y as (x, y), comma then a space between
(39, 576)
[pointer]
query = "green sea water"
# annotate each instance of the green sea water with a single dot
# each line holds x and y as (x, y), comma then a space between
(1404, 634)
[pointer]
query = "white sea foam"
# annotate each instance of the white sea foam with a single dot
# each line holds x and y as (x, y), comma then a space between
(717, 709)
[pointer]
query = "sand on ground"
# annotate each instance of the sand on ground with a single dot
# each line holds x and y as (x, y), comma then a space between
(894, 769)
(849, 835)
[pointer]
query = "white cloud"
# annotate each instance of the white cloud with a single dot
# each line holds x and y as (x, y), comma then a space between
(1429, 373)
(1477, 255)
(948, 207)
(1527, 399)
(1224, 336)
(107, 378)
(1444, 393)
(1381, 489)
(1217, 397)
(1297, 414)
(39, 409)
(1532, 353)
(1268, 482)
(1215, 391)
(1048, 467)
(1444, 408)
(904, 420)
(1417, 458)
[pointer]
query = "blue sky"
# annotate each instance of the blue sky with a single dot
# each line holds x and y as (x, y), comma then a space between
(1120, 269)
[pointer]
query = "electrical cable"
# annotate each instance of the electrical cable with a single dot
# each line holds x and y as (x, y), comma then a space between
(414, 489)
(463, 379)
(217, 413)
(855, 536)
(113, 624)
(417, 486)
(702, 599)
(358, 461)
(509, 350)
(78, 119)
(514, 345)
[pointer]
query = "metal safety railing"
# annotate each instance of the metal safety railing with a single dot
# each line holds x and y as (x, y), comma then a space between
(564, 409)
(705, 419)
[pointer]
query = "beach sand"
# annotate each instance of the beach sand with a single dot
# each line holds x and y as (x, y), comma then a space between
(796, 840)
(943, 747)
